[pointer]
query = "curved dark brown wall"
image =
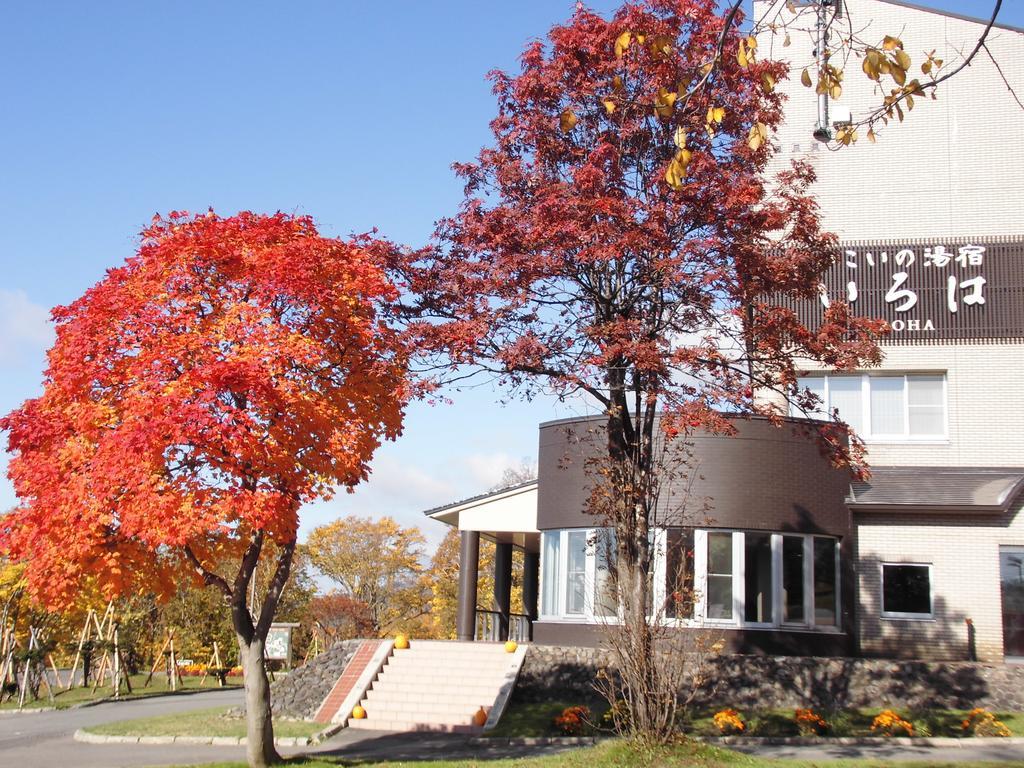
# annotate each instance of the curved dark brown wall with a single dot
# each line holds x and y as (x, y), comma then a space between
(762, 478)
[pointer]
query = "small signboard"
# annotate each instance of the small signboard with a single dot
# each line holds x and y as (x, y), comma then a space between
(279, 643)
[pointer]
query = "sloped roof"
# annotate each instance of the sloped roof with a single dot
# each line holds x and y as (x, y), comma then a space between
(941, 489)
(480, 497)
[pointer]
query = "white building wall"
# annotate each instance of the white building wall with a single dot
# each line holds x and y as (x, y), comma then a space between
(964, 555)
(954, 167)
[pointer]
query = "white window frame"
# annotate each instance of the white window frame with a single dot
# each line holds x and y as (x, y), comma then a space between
(700, 562)
(739, 584)
(866, 433)
(906, 615)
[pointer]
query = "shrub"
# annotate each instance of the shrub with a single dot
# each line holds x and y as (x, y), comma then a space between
(616, 717)
(810, 723)
(888, 723)
(573, 721)
(729, 722)
(981, 722)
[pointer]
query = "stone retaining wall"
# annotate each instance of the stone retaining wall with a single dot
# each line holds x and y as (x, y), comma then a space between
(798, 681)
(300, 694)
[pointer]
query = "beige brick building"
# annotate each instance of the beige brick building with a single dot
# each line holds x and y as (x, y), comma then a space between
(952, 174)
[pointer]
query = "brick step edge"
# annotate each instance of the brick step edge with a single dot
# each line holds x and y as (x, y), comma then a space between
(862, 741)
(216, 741)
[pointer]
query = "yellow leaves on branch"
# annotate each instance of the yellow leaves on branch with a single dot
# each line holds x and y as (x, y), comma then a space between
(758, 136)
(714, 117)
(622, 43)
(847, 135)
(931, 63)
(659, 45)
(567, 120)
(767, 83)
(679, 138)
(675, 174)
(830, 80)
(890, 59)
(747, 51)
(663, 103)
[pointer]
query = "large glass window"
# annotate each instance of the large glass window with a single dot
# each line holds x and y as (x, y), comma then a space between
(679, 590)
(576, 573)
(605, 595)
(926, 407)
(757, 554)
(549, 598)
(719, 578)
(742, 578)
(826, 563)
(793, 579)
(887, 413)
(845, 395)
(910, 407)
(906, 590)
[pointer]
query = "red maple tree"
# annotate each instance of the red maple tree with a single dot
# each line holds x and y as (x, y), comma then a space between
(229, 372)
(620, 238)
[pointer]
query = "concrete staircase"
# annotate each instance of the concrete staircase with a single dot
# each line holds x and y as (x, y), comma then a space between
(437, 685)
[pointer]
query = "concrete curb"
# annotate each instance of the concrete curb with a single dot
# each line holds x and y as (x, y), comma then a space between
(217, 741)
(326, 733)
(28, 710)
(860, 741)
(535, 741)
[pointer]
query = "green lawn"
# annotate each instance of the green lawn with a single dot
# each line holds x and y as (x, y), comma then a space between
(78, 695)
(621, 755)
(201, 722)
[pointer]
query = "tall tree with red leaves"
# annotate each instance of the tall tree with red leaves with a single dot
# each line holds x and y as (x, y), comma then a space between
(619, 238)
(229, 372)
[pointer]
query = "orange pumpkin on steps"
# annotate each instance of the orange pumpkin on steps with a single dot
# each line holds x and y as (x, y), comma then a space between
(358, 713)
(480, 718)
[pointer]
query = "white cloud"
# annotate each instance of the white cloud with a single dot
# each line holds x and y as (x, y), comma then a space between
(24, 326)
(486, 469)
(404, 486)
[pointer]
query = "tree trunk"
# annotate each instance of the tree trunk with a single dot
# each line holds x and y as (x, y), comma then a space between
(259, 750)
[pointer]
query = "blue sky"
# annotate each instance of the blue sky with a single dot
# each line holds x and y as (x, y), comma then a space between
(351, 112)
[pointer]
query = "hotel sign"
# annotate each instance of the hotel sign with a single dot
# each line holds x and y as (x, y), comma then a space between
(931, 289)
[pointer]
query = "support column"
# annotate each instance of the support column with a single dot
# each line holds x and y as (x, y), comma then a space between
(531, 581)
(503, 586)
(469, 563)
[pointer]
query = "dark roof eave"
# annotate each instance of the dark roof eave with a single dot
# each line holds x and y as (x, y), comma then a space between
(939, 509)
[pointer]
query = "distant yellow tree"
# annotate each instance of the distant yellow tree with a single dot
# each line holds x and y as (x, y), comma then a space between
(442, 580)
(378, 562)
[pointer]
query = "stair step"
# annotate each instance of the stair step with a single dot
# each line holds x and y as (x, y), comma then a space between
(411, 725)
(483, 694)
(424, 709)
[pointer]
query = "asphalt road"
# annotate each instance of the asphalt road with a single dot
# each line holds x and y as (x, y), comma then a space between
(44, 739)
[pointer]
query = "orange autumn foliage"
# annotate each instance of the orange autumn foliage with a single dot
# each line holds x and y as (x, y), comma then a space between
(230, 371)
